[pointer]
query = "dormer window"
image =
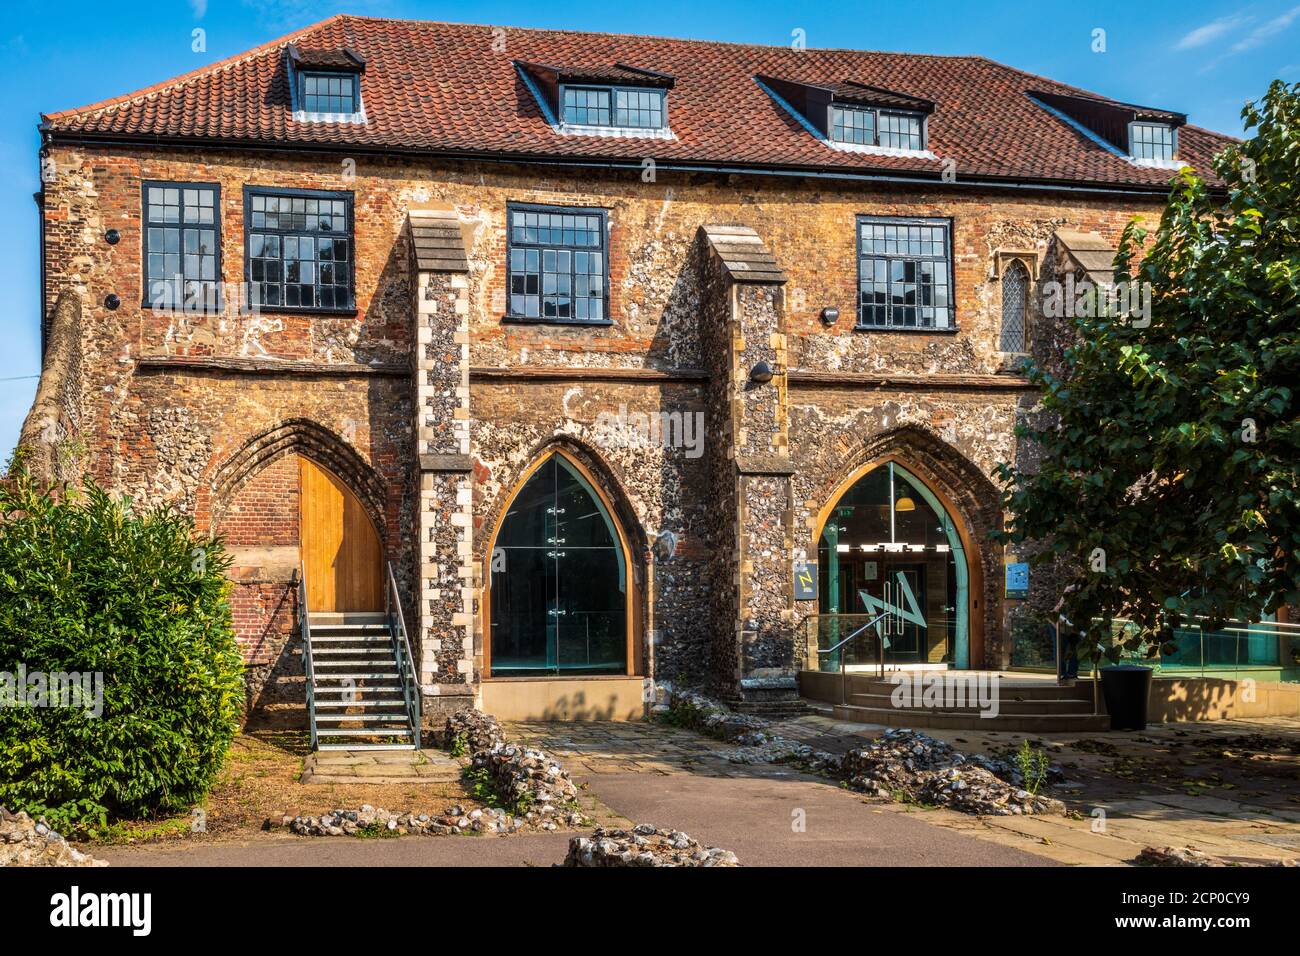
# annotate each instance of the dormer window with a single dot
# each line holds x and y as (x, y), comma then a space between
(325, 85)
(1151, 141)
(615, 100)
(1140, 134)
(855, 116)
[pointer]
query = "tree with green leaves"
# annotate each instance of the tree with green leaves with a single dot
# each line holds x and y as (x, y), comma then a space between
(121, 686)
(1169, 480)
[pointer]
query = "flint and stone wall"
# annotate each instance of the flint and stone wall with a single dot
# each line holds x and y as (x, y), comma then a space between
(430, 406)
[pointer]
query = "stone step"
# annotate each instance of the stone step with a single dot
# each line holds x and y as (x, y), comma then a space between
(941, 720)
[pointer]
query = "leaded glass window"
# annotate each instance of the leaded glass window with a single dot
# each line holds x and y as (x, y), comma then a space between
(300, 249)
(181, 246)
(1151, 141)
(1015, 298)
(904, 274)
(557, 263)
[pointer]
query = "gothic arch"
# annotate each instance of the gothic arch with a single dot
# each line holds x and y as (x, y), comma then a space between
(632, 538)
(606, 481)
(968, 495)
(311, 440)
(1013, 324)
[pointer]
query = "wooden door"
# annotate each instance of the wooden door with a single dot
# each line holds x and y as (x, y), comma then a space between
(341, 553)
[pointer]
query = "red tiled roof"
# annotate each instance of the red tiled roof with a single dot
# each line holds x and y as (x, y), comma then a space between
(454, 88)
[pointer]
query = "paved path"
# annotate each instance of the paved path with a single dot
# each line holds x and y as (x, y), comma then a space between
(540, 849)
(665, 775)
(772, 816)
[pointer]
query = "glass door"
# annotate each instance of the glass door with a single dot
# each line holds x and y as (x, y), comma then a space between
(559, 580)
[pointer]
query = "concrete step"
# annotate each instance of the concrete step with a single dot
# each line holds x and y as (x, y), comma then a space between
(1006, 705)
(1007, 689)
(942, 720)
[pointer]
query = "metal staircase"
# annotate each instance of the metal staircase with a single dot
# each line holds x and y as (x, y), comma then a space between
(362, 688)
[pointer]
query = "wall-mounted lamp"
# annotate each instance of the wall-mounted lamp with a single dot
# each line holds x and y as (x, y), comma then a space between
(112, 237)
(761, 373)
(830, 315)
(111, 301)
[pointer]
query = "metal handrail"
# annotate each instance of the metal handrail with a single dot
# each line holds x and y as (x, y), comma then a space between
(304, 629)
(402, 652)
(880, 643)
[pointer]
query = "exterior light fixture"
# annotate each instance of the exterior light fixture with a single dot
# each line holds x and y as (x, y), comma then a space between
(761, 373)
(112, 237)
(111, 301)
(830, 315)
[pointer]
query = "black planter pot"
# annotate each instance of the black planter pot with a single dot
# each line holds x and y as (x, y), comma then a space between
(1127, 689)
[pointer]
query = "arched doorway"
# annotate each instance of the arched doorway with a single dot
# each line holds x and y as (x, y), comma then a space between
(341, 553)
(889, 546)
(560, 587)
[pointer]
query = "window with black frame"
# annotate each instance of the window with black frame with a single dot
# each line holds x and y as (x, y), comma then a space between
(300, 249)
(866, 126)
(904, 274)
(326, 92)
(557, 264)
(616, 107)
(182, 246)
(1151, 141)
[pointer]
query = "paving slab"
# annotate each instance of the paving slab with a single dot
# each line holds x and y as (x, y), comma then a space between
(379, 767)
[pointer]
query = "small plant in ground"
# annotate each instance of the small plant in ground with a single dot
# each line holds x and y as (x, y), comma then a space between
(376, 830)
(479, 783)
(1033, 764)
(459, 746)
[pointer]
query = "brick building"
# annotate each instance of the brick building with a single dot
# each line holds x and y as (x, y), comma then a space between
(632, 358)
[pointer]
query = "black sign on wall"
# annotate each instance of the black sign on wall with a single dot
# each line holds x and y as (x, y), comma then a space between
(805, 581)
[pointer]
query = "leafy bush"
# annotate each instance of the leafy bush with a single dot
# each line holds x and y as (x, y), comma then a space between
(88, 586)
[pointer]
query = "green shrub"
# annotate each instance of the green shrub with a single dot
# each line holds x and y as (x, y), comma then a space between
(87, 585)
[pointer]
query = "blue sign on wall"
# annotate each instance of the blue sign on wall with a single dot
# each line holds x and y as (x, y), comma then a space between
(1018, 580)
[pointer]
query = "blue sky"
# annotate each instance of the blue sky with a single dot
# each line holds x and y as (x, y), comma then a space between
(1204, 59)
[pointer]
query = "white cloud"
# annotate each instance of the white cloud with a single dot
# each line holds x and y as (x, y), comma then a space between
(199, 7)
(1211, 31)
(1266, 31)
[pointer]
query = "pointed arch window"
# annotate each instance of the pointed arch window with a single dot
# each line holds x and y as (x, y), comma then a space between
(560, 588)
(1015, 303)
